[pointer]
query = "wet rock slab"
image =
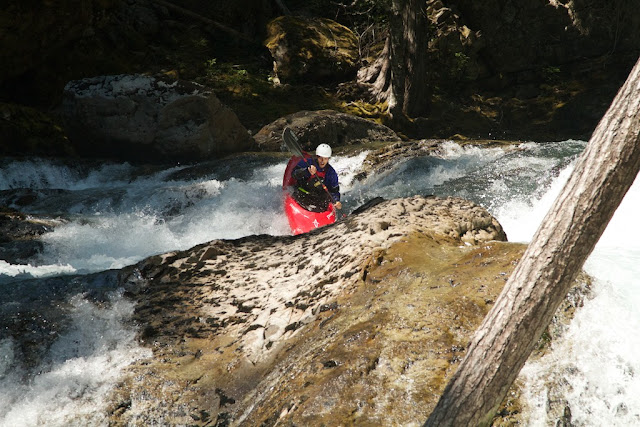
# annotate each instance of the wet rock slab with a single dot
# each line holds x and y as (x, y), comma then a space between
(361, 322)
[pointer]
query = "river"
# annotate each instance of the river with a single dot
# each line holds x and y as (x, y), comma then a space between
(117, 214)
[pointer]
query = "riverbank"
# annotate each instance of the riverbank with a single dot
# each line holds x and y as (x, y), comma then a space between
(479, 89)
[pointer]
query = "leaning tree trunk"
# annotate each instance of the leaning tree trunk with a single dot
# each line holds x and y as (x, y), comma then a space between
(541, 280)
(399, 75)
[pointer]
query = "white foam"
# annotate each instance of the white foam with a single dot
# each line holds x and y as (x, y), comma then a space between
(521, 216)
(84, 364)
(14, 270)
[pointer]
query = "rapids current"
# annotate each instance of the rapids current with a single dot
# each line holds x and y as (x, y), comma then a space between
(117, 214)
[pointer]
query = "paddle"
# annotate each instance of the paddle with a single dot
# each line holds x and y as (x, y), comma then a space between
(291, 140)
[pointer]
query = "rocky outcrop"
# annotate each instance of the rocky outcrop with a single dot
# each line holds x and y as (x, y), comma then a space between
(381, 159)
(236, 322)
(156, 119)
(311, 50)
(323, 126)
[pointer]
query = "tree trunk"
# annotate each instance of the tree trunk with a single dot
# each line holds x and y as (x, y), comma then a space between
(566, 237)
(409, 32)
(378, 74)
(399, 74)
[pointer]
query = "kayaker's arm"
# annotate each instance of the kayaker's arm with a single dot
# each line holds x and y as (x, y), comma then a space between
(333, 187)
(301, 172)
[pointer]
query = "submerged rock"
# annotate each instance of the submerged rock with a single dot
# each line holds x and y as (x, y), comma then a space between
(152, 119)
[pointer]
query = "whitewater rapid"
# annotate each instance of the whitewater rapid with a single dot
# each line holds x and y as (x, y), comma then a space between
(118, 214)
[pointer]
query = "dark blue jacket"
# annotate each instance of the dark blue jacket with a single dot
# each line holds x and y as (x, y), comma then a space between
(327, 175)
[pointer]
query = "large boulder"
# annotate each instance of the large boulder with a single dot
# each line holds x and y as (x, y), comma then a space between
(323, 126)
(312, 50)
(154, 119)
(267, 318)
(358, 323)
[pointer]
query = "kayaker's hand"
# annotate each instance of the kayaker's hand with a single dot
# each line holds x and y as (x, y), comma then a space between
(312, 170)
(338, 205)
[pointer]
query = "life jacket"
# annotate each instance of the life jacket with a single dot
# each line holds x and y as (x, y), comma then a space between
(312, 182)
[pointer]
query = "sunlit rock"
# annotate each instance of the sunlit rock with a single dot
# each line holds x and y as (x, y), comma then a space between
(370, 309)
(358, 323)
(155, 119)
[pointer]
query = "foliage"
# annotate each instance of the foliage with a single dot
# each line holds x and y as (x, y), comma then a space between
(551, 74)
(460, 63)
(250, 92)
(229, 74)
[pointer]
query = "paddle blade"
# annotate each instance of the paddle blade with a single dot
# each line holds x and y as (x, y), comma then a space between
(291, 141)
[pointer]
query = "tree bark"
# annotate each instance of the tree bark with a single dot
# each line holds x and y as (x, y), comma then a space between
(409, 32)
(558, 250)
(399, 74)
(378, 74)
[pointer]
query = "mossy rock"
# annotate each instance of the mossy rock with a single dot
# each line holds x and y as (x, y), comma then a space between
(312, 50)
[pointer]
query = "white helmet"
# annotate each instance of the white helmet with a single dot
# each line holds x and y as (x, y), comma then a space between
(323, 150)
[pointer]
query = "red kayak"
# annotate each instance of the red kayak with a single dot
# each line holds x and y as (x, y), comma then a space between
(300, 219)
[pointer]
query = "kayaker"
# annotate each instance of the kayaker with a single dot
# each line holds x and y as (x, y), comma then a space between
(316, 179)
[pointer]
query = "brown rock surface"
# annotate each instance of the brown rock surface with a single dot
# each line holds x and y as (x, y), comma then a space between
(359, 323)
(223, 316)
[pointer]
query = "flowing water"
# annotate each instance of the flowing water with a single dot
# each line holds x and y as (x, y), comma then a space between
(74, 338)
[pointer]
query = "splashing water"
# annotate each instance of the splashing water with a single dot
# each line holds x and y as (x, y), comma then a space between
(118, 214)
(81, 367)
